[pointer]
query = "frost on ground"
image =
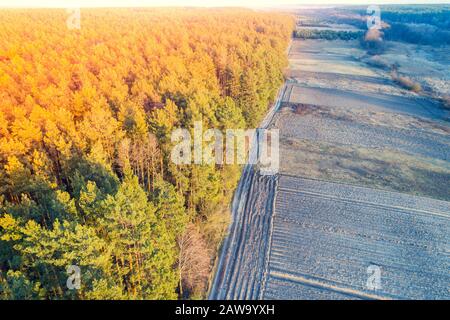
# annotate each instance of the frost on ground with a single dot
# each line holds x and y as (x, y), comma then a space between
(243, 260)
(428, 65)
(364, 181)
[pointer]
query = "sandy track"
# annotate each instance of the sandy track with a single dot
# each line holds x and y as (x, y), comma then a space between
(367, 101)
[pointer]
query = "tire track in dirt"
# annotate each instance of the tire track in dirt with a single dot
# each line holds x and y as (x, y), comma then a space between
(243, 259)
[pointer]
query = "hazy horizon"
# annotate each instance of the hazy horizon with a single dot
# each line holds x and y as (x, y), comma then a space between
(198, 3)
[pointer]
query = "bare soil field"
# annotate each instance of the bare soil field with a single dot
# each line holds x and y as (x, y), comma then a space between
(325, 235)
(327, 56)
(345, 131)
(241, 272)
(392, 120)
(372, 167)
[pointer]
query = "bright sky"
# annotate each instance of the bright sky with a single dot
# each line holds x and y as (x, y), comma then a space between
(202, 3)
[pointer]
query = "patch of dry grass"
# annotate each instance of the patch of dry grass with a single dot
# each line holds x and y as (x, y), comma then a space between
(384, 119)
(380, 168)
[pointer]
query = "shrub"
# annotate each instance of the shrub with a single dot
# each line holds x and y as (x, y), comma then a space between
(406, 82)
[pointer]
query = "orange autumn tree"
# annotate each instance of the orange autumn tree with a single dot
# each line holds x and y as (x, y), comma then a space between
(85, 122)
